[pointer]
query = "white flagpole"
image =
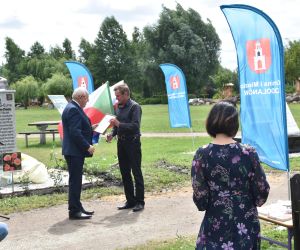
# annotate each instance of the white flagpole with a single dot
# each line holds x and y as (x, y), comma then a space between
(193, 138)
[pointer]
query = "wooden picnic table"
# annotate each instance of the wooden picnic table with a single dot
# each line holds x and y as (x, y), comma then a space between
(280, 219)
(42, 126)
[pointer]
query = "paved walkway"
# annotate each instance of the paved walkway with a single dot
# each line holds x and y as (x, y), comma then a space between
(165, 216)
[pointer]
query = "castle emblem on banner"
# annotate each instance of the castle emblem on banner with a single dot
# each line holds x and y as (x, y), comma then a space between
(82, 81)
(175, 82)
(259, 55)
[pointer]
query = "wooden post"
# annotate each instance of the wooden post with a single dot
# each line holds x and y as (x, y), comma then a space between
(26, 140)
(295, 195)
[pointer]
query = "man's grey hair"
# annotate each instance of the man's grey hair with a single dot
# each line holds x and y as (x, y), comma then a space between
(122, 88)
(78, 92)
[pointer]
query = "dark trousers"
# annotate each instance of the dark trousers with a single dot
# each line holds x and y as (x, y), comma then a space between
(75, 168)
(130, 157)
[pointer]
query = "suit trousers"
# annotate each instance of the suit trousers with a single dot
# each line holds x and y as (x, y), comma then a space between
(75, 168)
(130, 157)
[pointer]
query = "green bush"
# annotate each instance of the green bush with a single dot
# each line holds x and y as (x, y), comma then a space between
(152, 100)
(290, 89)
(218, 95)
(192, 96)
(26, 89)
(58, 84)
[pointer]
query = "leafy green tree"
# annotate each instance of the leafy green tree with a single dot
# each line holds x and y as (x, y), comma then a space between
(86, 49)
(68, 51)
(222, 77)
(111, 60)
(14, 56)
(292, 62)
(26, 89)
(56, 52)
(182, 38)
(43, 67)
(58, 84)
(136, 78)
(36, 50)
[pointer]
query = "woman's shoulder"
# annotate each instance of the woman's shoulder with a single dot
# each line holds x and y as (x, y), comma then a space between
(247, 149)
(203, 149)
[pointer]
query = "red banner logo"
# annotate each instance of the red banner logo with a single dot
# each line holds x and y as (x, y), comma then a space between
(82, 81)
(259, 55)
(175, 82)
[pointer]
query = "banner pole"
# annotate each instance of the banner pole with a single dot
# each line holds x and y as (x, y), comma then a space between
(193, 138)
(289, 184)
(12, 182)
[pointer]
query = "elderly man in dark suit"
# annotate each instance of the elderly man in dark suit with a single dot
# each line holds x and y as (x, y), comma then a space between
(77, 144)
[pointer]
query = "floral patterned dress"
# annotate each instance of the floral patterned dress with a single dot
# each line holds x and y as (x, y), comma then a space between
(229, 183)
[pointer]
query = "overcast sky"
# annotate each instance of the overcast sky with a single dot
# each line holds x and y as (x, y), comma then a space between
(51, 21)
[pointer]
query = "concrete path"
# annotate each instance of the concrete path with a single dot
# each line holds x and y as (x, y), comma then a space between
(165, 216)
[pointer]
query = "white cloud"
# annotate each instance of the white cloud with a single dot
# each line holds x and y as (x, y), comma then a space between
(51, 21)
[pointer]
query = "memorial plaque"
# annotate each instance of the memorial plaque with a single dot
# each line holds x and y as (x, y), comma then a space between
(7, 122)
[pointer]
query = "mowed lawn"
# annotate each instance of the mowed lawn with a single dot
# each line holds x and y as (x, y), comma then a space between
(155, 118)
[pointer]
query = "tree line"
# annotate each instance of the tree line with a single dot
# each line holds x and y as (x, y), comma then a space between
(179, 37)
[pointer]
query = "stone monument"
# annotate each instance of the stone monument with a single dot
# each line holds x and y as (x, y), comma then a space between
(7, 120)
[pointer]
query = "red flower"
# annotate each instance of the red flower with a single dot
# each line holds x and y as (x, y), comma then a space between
(17, 161)
(6, 167)
(7, 158)
(14, 155)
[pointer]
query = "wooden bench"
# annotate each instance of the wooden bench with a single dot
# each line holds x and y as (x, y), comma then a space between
(47, 131)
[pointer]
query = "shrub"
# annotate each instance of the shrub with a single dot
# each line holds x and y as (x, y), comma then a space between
(290, 89)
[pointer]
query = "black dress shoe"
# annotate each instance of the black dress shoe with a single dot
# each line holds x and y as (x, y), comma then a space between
(87, 212)
(79, 216)
(126, 206)
(138, 207)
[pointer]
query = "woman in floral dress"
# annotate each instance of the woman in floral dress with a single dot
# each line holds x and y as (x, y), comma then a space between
(228, 183)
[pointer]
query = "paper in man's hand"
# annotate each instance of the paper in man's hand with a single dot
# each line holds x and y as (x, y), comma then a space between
(104, 124)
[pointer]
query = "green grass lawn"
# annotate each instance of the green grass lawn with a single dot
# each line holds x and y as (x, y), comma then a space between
(34, 114)
(155, 118)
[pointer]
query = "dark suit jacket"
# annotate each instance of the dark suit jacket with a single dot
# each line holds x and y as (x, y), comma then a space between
(77, 131)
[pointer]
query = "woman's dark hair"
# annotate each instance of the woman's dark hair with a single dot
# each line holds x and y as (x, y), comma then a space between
(222, 119)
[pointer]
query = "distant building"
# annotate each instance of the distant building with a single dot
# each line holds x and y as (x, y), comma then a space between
(259, 58)
(228, 90)
(298, 86)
